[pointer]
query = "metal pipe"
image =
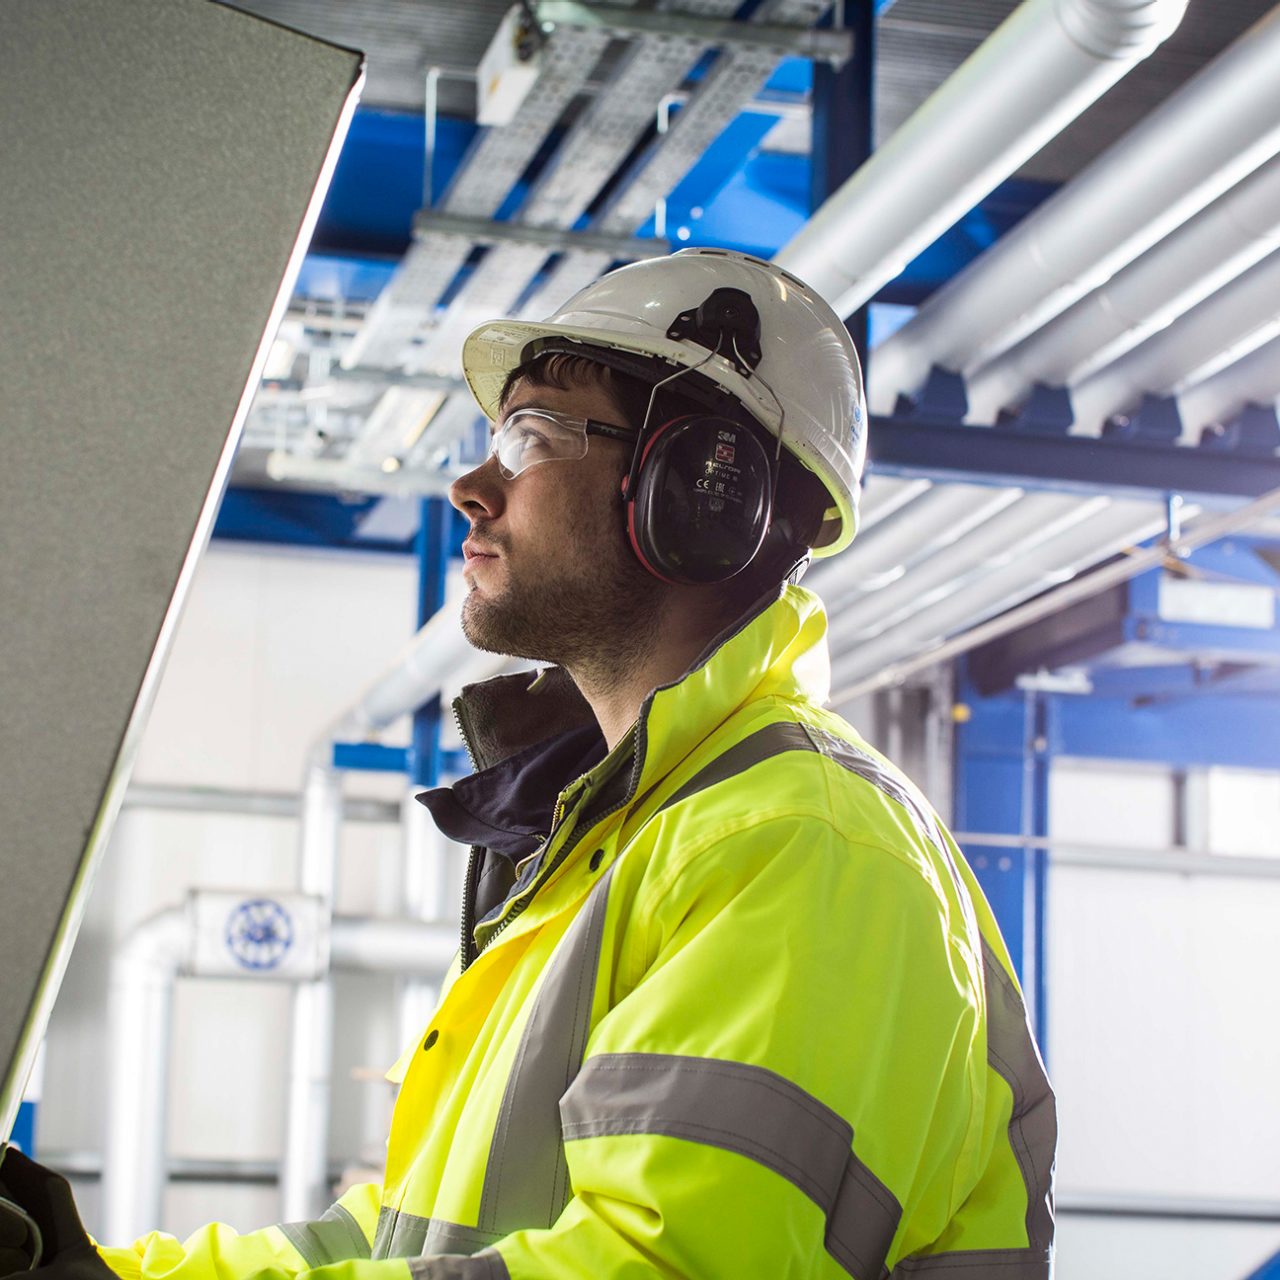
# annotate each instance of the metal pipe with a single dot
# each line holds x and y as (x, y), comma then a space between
(1199, 258)
(1239, 317)
(139, 1018)
(1219, 127)
(1205, 530)
(135, 1166)
(259, 804)
(1253, 379)
(1170, 859)
(1113, 1204)
(303, 1171)
(1051, 58)
(1079, 535)
(918, 529)
(1004, 535)
(417, 948)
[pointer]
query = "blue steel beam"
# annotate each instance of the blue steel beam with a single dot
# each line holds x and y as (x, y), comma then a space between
(942, 451)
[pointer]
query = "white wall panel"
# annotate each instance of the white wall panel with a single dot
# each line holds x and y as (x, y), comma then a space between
(1164, 1027)
(273, 646)
(1155, 1249)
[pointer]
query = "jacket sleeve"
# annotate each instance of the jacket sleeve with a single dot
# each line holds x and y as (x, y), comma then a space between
(788, 1059)
(334, 1247)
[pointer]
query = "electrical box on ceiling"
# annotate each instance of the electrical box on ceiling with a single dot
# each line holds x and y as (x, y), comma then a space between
(510, 67)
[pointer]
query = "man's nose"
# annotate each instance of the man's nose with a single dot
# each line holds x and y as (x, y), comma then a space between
(479, 493)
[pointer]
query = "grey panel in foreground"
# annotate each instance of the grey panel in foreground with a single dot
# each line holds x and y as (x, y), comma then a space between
(161, 171)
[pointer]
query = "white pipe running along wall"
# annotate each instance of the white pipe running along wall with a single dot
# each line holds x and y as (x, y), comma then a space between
(1254, 379)
(1050, 59)
(1037, 563)
(139, 1023)
(1235, 320)
(438, 654)
(304, 1170)
(1220, 126)
(1199, 258)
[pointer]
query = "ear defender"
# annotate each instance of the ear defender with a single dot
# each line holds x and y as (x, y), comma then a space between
(699, 499)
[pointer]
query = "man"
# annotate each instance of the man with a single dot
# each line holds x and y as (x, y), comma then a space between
(728, 1001)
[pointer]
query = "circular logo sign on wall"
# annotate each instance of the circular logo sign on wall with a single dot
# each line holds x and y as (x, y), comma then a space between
(259, 933)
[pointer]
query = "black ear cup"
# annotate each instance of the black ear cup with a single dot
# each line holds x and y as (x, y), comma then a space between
(700, 502)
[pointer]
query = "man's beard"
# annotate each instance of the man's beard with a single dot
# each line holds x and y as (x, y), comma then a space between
(594, 617)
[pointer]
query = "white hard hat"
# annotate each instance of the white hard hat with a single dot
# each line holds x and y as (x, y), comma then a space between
(806, 380)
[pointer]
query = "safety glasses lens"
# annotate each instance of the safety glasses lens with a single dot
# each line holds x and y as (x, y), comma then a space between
(529, 437)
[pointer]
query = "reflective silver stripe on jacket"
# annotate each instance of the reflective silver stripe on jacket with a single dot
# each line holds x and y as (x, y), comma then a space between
(334, 1237)
(405, 1235)
(1033, 1126)
(480, 1266)
(527, 1180)
(998, 1264)
(755, 1113)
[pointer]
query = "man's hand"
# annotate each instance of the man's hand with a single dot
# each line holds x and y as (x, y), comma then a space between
(62, 1249)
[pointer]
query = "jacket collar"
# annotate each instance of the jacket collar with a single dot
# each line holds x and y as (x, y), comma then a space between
(531, 735)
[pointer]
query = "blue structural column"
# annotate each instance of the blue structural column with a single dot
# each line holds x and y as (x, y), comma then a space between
(843, 102)
(1002, 752)
(24, 1128)
(433, 566)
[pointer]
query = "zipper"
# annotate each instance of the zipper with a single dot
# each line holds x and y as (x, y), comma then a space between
(466, 951)
(525, 898)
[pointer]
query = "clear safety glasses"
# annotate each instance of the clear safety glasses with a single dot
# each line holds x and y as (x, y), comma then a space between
(529, 436)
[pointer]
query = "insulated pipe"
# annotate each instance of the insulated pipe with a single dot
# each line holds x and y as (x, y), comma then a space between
(997, 541)
(1051, 556)
(420, 948)
(935, 519)
(1050, 60)
(1199, 258)
(438, 655)
(135, 1165)
(139, 1023)
(1255, 379)
(1236, 319)
(1219, 127)
(304, 1176)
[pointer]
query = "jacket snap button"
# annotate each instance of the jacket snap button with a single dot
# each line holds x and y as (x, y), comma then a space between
(431, 1039)
(596, 859)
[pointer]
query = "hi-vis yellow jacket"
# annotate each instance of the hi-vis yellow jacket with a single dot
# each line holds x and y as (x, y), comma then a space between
(749, 1016)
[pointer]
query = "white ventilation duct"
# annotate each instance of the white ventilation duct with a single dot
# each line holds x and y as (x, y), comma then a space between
(1255, 379)
(1219, 127)
(1051, 59)
(1199, 258)
(1234, 320)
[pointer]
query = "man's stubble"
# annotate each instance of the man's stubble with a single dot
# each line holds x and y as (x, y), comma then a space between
(595, 613)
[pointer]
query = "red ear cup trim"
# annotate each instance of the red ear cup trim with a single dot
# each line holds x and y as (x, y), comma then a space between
(640, 555)
(630, 498)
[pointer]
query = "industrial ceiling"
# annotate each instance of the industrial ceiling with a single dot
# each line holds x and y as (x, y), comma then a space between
(364, 397)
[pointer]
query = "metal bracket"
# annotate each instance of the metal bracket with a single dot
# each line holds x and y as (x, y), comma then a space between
(428, 222)
(833, 47)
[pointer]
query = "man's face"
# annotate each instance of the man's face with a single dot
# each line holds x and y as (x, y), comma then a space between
(549, 572)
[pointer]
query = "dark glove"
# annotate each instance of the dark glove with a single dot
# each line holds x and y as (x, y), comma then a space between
(45, 1197)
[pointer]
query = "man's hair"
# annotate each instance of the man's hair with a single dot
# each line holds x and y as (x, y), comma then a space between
(800, 498)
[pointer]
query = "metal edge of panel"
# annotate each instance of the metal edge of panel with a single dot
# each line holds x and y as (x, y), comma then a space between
(14, 1084)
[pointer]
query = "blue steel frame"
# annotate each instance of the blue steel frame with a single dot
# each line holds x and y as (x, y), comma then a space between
(433, 566)
(1001, 786)
(24, 1129)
